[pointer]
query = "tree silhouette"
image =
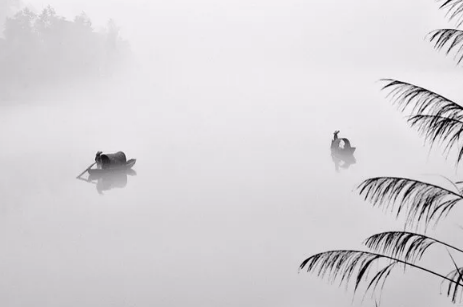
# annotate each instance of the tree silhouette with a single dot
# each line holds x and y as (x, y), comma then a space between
(46, 49)
(6, 6)
(440, 121)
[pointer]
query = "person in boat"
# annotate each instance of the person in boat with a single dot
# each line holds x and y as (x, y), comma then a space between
(346, 144)
(342, 153)
(335, 141)
(106, 161)
(335, 136)
(341, 144)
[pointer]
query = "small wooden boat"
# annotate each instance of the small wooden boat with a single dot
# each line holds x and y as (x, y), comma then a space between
(344, 150)
(119, 168)
(111, 171)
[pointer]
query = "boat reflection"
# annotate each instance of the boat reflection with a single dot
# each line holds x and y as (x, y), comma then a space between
(109, 180)
(342, 153)
(342, 161)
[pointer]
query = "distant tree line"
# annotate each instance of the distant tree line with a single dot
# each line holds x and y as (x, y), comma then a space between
(45, 49)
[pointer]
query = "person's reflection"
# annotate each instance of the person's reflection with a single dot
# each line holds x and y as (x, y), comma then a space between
(342, 160)
(108, 181)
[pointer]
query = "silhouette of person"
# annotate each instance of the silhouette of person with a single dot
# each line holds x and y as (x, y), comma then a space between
(335, 137)
(335, 142)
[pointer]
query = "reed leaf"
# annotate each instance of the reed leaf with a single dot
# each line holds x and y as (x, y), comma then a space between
(424, 101)
(454, 10)
(452, 38)
(460, 189)
(453, 184)
(439, 129)
(438, 118)
(417, 200)
(452, 287)
(404, 245)
(345, 264)
(457, 276)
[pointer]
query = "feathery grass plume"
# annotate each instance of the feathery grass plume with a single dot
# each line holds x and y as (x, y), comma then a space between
(453, 184)
(404, 245)
(454, 37)
(454, 9)
(460, 189)
(400, 244)
(455, 285)
(344, 264)
(457, 277)
(347, 263)
(421, 201)
(405, 94)
(435, 116)
(438, 129)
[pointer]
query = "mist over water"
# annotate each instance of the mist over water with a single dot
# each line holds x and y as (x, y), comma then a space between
(233, 189)
(235, 185)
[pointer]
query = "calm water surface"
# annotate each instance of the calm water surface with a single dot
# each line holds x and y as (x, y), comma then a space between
(234, 188)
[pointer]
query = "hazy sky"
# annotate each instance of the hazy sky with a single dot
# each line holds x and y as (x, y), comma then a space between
(318, 35)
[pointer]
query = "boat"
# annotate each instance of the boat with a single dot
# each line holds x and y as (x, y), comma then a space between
(114, 169)
(110, 160)
(342, 151)
(111, 172)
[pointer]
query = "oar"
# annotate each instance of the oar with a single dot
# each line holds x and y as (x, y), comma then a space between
(86, 180)
(86, 169)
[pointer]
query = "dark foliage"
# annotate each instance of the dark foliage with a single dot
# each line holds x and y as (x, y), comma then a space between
(45, 49)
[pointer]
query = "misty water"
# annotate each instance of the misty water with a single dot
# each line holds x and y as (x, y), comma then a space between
(235, 187)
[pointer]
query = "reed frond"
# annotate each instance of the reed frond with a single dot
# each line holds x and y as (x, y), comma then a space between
(404, 245)
(438, 118)
(454, 279)
(424, 101)
(400, 244)
(420, 201)
(453, 184)
(454, 10)
(452, 38)
(345, 264)
(439, 129)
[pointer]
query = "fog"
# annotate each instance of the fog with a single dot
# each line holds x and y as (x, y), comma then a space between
(229, 108)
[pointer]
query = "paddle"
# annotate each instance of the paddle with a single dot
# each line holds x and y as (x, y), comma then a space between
(86, 180)
(86, 169)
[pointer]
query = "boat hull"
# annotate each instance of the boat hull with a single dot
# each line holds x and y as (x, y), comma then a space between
(115, 169)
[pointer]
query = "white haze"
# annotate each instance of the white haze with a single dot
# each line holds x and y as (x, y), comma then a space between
(229, 112)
